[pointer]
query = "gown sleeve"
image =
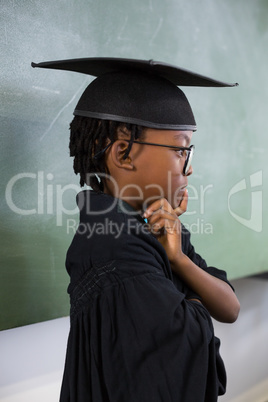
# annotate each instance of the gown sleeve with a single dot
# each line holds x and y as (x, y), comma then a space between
(188, 249)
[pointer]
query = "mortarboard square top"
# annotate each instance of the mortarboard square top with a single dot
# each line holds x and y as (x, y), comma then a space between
(136, 91)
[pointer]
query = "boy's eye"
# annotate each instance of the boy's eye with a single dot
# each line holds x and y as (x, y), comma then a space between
(180, 152)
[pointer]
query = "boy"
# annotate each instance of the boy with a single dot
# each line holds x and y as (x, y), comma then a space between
(141, 298)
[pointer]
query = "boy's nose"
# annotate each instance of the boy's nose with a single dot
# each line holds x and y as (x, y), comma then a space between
(190, 171)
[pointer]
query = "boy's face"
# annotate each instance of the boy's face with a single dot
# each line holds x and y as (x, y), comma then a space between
(159, 170)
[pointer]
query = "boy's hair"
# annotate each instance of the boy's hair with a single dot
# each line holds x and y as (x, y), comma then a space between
(88, 137)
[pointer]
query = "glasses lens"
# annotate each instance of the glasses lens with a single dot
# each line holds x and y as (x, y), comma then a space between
(188, 160)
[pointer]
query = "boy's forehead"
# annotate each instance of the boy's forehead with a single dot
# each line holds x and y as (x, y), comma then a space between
(170, 137)
(136, 91)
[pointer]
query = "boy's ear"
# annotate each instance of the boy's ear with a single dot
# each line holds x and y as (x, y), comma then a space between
(117, 153)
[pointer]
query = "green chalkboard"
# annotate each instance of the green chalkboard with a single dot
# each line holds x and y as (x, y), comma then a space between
(224, 39)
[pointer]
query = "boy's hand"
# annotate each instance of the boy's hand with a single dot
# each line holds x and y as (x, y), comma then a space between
(166, 226)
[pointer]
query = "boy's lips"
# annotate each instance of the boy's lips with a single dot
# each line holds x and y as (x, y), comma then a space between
(182, 189)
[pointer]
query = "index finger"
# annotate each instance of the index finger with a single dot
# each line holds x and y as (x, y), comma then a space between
(162, 203)
(183, 204)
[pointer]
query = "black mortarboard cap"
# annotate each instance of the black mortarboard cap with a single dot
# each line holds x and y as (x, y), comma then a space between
(136, 91)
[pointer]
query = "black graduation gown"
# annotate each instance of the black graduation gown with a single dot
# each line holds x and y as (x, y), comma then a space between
(134, 336)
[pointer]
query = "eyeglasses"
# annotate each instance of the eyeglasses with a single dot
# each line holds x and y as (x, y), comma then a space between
(189, 153)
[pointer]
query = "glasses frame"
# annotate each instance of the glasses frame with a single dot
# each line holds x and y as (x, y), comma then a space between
(189, 157)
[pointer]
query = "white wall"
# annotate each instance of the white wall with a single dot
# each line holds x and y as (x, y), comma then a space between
(32, 357)
(245, 344)
(31, 361)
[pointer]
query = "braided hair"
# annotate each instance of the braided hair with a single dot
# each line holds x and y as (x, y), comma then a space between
(88, 142)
